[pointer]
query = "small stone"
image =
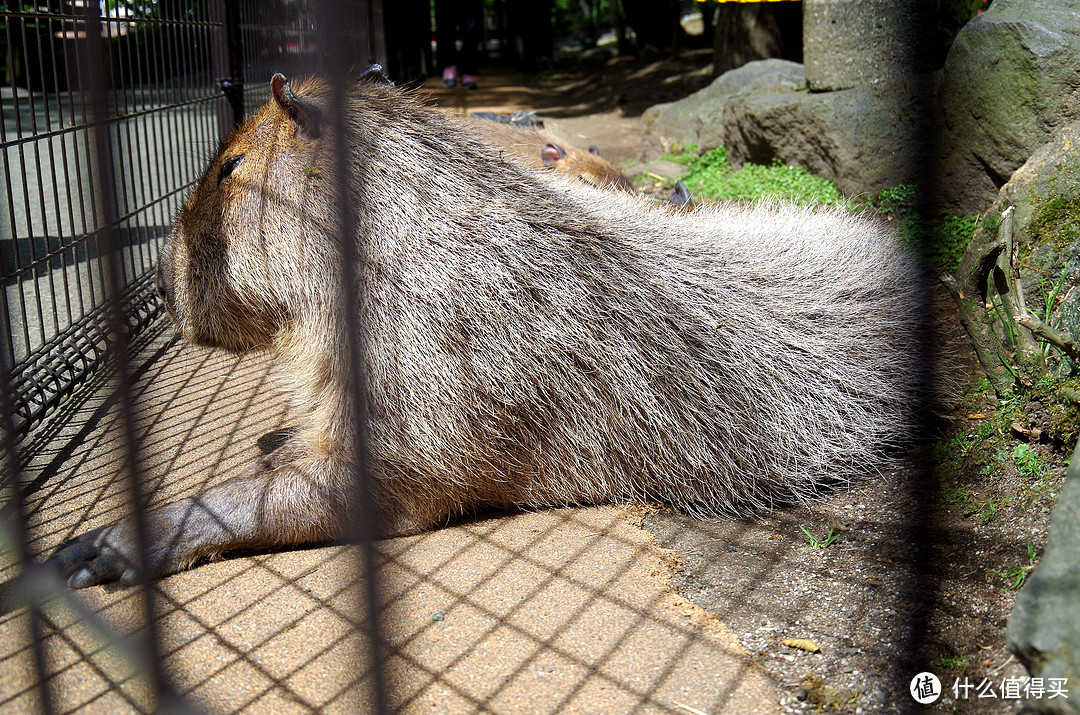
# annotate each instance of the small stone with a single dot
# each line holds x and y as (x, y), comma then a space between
(437, 617)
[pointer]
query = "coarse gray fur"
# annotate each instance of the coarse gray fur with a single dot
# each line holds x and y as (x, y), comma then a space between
(529, 340)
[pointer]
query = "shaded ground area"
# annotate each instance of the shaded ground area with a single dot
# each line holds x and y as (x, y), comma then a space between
(623, 84)
(921, 576)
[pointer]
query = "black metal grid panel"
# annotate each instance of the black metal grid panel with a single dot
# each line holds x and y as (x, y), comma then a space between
(112, 114)
(161, 117)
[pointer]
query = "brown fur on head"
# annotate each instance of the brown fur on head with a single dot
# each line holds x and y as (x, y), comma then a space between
(232, 271)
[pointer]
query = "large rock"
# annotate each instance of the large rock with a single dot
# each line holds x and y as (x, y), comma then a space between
(863, 138)
(696, 120)
(1044, 629)
(1009, 79)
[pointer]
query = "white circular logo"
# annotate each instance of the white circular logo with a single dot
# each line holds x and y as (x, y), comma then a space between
(925, 688)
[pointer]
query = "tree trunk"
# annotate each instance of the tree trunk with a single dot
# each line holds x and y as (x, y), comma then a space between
(619, 21)
(756, 31)
(652, 22)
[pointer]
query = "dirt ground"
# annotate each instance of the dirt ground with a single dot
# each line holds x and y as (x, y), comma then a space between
(921, 571)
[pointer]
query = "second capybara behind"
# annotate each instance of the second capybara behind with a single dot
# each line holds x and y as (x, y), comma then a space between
(527, 340)
(540, 149)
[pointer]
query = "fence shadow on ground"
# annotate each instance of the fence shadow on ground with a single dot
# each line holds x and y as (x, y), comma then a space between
(554, 611)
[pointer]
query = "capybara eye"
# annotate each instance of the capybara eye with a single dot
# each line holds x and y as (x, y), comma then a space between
(228, 166)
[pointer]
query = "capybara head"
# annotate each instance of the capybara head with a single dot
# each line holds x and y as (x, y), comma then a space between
(248, 249)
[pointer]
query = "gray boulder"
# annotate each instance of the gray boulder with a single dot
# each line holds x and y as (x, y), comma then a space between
(696, 120)
(1044, 629)
(862, 138)
(1009, 79)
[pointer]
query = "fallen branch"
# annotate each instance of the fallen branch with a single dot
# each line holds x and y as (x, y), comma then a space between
(988, 256)
(1062, 341)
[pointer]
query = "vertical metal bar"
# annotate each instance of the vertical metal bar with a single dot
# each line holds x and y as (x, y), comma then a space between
(125, 147)
(924, 484)
(88, 83)
(174, 56)
(141, 173)
(56, 222)
(332, 21)
(8, 336)
(105, 175)
(157, 217)
(67, 236)
(371, 42)
(28, 206)
(13, 514)
(233, 87)
(128, 153)
(87, 199)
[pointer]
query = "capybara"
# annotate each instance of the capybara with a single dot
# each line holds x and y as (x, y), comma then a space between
(528, 340)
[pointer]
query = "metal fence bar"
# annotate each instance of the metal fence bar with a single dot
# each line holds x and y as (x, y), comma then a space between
(13, 532)
(232, 83)
(75, 275)
(341, 54)
(97, 138)
(118, 352)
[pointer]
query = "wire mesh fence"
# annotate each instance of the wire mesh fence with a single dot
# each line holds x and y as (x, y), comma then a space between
(110, 113)
(162, 120)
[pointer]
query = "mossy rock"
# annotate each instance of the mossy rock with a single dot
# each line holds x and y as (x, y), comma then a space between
(1045, 194)
(1009, 80)
(1044, 629)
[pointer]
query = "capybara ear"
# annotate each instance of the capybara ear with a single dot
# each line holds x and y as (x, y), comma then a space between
(594, 150)
(681, 197)
(552, 154)
(306, 115)
(374, 74)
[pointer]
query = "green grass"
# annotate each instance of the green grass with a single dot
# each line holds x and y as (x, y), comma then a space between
(682, 154)
(816, 543)
(894, 201)
(1017, 575)
(949, 662)
(1028, 462)
(942, 240)
(711, 177)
